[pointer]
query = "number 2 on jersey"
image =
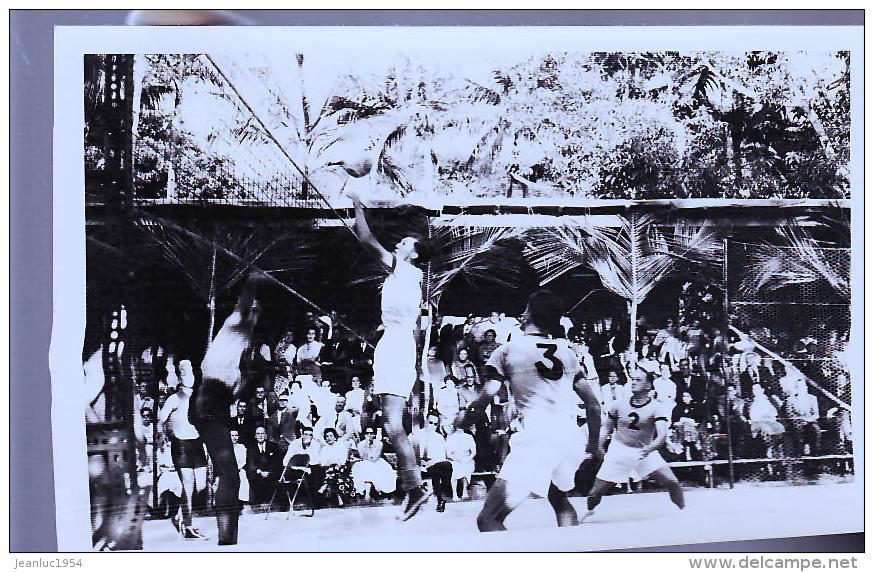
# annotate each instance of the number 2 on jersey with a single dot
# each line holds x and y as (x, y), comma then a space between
(635, 420)
(556, 369)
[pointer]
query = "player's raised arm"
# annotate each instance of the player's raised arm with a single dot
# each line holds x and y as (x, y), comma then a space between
(362, 230)
(593, 414)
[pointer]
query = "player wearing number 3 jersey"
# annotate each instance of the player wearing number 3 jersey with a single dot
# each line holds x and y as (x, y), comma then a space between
(547, 384)
(639, 425)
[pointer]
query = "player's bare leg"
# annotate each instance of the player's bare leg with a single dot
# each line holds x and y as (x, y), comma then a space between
(667, 479)
(565, 514)
(495, 509)
(411, 477)
(596, 494)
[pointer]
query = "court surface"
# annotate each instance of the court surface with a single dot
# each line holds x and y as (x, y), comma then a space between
(747, 511)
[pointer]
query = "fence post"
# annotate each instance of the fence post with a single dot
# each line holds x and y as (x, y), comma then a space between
(726, 368)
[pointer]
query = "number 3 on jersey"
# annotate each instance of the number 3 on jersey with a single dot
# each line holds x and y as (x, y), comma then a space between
(555, 370)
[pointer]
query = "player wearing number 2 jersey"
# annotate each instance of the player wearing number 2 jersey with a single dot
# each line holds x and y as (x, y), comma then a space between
(547, 384)
(639, 425)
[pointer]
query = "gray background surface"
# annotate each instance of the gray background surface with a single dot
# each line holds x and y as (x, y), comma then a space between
(32, 506)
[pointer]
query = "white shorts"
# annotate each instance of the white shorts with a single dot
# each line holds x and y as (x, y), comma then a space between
(547, 450)
(622, 462)
(394, 362)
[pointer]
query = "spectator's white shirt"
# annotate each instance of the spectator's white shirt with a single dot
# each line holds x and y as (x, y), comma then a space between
(431, 445)
(355, 400)
(460, 447)
(665, 389)
(336, 454)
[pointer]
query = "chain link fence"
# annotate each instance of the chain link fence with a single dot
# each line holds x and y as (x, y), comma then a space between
(786, 411)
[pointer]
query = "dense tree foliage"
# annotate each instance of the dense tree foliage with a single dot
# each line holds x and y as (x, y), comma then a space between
(599, 125)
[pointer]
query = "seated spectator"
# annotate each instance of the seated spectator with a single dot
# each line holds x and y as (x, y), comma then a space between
(305, 452)
(372, 469)
(488, 345)
(282, 424)
(240, 454)
(338, 487)
(346, 423)
(664, 386)
(263, 466)
(663, 334)
(460, 451)
(430, 448)
(446, 402)
(462, 366)
(263, 404)
(687, 418)
(467, 390)
(694, 383)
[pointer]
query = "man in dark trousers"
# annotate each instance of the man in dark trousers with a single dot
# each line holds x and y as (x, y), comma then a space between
(263, 465)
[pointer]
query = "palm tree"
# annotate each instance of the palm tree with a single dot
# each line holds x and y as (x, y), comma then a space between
(799, 260)
(630, 258)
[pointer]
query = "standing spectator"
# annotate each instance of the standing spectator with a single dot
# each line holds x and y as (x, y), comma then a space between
(308, 358)
(615, 390)
(372, 469)
(355, 396)
(244, 423)
(240, 454)
(802, 409)
(263, 404)
(430, 447)
(665, 387)
(671, 350)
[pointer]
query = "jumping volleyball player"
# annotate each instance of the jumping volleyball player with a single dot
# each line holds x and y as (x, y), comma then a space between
(639, 425)
(394, 360)
(547, 382)
(210, 405)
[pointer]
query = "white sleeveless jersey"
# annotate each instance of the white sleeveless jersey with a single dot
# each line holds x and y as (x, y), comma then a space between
(541, 372)
(402, 295)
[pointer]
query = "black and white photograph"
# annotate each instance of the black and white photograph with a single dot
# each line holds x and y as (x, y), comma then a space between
(473, 289)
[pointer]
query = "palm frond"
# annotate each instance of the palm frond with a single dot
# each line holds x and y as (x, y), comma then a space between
(474, 252)
(801, 260)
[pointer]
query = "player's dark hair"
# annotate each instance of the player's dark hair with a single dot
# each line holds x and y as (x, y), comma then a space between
(426, 248)
(330, 430)
(545, 310)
